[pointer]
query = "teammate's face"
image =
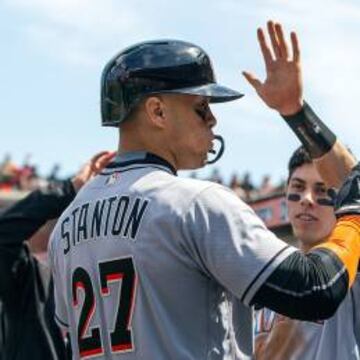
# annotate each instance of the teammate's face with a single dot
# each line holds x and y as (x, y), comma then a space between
(190, 132)
(312, 222)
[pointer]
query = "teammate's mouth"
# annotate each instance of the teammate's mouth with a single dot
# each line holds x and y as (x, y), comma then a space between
(306, 217)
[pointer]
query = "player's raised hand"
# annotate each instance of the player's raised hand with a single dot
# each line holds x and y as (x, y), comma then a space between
(282, 89)
(92, 168)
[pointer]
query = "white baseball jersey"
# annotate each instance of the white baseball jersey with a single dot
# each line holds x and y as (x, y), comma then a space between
(336, 338)
(148, 265)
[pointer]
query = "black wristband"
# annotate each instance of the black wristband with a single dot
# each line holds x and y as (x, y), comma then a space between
(315, 136)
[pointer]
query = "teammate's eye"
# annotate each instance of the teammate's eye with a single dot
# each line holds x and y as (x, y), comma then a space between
(321, 191)
(297, 187)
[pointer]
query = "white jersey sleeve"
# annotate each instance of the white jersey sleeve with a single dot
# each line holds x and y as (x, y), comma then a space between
(230, 243)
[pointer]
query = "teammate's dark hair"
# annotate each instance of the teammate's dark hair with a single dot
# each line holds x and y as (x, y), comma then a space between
(297, 159)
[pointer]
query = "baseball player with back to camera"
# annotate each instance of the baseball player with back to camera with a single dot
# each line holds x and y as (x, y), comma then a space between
(148, 265)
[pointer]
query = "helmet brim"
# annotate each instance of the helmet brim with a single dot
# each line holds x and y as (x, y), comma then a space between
(215, 92)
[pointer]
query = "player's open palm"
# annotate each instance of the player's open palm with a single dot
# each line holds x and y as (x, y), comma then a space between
(282, 89)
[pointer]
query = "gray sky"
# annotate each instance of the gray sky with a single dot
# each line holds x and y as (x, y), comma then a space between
(53, 53)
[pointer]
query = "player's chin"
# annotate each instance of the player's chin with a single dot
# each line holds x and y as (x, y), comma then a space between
(196, 162)
(202, 160)
(193, 166)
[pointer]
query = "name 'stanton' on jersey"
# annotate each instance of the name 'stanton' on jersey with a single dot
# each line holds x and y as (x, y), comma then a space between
(119, 216)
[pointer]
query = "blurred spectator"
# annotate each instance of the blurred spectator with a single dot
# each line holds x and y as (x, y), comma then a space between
(248, 186)
(281, 187)
(28, 178)
(266, 187)
(235, 185)
(53, 176)
(216, 177)
(14, 177)
(8, 173)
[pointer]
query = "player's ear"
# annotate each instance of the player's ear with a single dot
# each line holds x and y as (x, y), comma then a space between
(154, 107)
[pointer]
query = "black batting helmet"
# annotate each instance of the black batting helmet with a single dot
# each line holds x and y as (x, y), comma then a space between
(155, 67)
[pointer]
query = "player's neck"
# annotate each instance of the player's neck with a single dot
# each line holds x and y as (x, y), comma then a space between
(135, 138)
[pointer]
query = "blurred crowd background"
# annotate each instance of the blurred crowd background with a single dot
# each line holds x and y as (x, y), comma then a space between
(26, 177)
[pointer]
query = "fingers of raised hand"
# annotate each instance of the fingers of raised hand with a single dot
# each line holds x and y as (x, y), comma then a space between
(265, 49)
(279, 44)
(253, 80)
(295, 47)
(275, 41)
(92, 168)
(98, 155)
(282, 44)
(100, 160)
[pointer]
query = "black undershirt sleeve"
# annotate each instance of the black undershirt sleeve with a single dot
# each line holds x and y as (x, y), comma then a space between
(18, 223)
(305, 286)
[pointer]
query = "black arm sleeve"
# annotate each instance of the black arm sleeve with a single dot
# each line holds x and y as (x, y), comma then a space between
(305, 286)
(20, 221)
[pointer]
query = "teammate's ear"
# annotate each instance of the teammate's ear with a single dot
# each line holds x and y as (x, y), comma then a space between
(155, 110)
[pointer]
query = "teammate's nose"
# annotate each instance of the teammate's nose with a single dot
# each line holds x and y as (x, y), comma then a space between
(307, 198)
